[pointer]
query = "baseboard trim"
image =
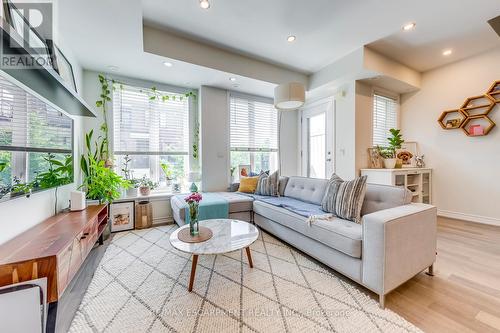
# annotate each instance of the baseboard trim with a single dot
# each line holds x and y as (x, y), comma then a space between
(469, 217)
(162, 221)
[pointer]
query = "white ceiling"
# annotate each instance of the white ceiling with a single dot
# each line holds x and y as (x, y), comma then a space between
(326, 30)
(104, 33)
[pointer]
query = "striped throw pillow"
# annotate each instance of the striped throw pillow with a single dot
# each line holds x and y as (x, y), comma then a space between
(346, 198)
(268, 184)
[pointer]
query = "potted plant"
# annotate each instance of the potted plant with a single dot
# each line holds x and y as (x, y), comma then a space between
(146, 185)
(231, 170)
(133, 184)
(169, 173)
(388, 153)
(100, 182)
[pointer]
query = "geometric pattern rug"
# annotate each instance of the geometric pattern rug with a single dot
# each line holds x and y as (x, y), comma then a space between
(140, 285)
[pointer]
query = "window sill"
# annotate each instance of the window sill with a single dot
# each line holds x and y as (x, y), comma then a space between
(154, 196)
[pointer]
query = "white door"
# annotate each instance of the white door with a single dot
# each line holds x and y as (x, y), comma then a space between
(317, 139)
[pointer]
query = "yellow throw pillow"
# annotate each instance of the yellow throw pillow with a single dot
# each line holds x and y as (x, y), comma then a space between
(248, 184)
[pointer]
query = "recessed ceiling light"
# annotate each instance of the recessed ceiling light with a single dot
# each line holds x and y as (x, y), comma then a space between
(291, 38)
(168, 64)
(447, 52)
(204, 4)
(232, 79)
(409, 26)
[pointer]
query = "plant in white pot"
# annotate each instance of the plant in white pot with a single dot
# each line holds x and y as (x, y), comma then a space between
(169, 173)
(146, 185)
(388, 153)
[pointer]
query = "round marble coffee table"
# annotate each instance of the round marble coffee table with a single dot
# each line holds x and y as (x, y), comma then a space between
(228, 235)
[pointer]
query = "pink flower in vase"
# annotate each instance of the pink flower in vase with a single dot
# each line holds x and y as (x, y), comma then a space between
(193, 197)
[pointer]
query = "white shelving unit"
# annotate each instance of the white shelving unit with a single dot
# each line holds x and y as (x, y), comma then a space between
(417, 180)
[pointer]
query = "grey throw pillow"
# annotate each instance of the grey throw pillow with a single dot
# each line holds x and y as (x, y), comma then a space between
(346, 198)
(268, 184)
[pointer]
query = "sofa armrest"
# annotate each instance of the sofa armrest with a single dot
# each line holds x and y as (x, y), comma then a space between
(398, 243)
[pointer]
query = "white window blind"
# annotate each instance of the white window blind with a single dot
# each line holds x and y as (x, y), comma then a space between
(384, 118)
(28, 124)
(253, 124)
(150, 127)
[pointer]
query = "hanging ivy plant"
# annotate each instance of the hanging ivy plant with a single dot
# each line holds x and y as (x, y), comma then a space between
(108, 85)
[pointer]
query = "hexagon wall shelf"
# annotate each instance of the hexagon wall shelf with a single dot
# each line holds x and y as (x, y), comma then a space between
(457, 119)
(473, 111)
(494, 92)
(472, 120)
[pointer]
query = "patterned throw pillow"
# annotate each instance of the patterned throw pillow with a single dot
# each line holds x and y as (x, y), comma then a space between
(346, 198)
(268, 184)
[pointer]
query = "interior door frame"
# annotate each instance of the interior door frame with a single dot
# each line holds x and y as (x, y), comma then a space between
(306, 111)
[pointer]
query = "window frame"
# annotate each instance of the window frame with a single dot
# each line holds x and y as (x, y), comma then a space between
(387, 94)
(193, 119)
(256, 98)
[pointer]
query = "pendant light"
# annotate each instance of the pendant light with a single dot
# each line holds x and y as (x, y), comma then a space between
(289, 96)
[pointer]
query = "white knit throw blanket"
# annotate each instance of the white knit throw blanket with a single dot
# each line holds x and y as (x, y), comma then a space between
(324, 217)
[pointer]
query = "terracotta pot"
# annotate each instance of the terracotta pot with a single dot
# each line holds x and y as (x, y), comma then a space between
(145, 190)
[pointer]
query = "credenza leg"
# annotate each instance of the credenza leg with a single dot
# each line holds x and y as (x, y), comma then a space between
(51, 317)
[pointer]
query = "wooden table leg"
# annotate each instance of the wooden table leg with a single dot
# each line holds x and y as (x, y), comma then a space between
(249, 256)
(193, 272)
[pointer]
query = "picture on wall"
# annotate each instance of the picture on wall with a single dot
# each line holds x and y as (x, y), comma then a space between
(407, 154)
(122, 216)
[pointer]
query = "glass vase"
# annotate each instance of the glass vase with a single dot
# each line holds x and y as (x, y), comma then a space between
(193, 218)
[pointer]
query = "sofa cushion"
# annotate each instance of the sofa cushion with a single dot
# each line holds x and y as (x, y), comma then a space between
(282, 185)
(268, 184)
(342, 235)
(306, 189)
(379, 197)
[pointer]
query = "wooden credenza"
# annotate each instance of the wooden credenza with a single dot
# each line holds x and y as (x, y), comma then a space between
(55, 249)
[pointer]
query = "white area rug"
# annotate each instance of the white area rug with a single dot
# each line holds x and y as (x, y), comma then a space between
(141, 286)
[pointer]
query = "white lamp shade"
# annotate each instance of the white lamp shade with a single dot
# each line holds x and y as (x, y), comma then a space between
(289, 96)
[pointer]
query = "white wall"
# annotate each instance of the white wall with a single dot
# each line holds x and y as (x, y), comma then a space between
(214, 135)
(465, 169)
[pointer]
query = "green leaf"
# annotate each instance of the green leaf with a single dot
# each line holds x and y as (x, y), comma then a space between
(98, 104)
(152, 97)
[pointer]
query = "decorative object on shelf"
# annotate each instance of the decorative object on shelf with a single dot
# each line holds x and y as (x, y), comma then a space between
(289, 96)
(194, 177)
(193, 201)
(473, 116)
(244, 170)
(376, 161)
(146, 185)
(407, 154)
(419, 161)
(61, 64)
(388, 153)
(169, 173)
(77, 201)
(122, 216)
(143, 215)
(231, 171)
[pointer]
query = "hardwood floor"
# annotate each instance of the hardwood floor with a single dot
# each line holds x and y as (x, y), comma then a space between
(464, 294)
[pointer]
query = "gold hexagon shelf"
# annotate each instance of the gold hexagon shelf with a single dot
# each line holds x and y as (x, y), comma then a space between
(474, 109)
(454, 123)
(494, 91)
(466, 125)
(478, 105)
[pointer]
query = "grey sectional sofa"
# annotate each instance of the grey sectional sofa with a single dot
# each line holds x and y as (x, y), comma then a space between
(395, 241)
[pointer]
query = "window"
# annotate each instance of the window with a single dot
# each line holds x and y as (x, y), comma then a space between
(151, 132)
(384, 118)
(30, 132)
(254, 132)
